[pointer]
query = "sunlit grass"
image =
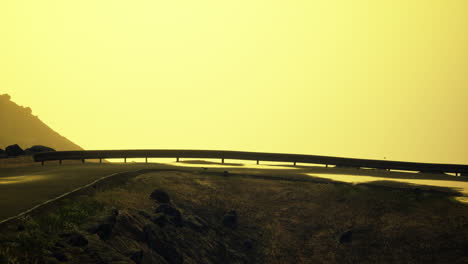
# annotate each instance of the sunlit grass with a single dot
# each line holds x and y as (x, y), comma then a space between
(302, 222)
(456, 184)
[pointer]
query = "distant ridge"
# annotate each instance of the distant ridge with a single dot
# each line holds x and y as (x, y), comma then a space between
(19, 126)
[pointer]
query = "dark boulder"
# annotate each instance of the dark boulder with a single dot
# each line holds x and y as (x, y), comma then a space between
(144, 214)
(48, 260)
(196, 223)
(159, 219)
(38, 149)
(103, 224)
(112, 218)
(14, 150)
(76, 240)
(173, 213)
(248, 244)
(230, 219)
(137, 256)
(3, 153)
(346, 237)
(104, 231)
(60, 256)
(162, 244)
(167, 209)
(160, 196)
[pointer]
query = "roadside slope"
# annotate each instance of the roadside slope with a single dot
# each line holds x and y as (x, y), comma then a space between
(210, 216)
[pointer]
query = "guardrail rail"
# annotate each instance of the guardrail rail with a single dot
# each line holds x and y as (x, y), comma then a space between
(458, 169)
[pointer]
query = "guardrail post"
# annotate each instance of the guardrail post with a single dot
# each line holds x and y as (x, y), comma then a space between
(125, 160)
(100, 160)
(60, 162)
(222, 160)
(258, 162)
(177, 159)
(326, 165)
(42, 163)
(83, 161)
(294, 163)
(146, 159)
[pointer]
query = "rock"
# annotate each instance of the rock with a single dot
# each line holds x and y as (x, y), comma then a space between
(248, 244)
(137, 256)
(104, 231)
(102, 224)
(49, 260)
(195, 223)
(144, 214)
(173, 214)
(159, 219)
(14, 150)
(230, 219)
(160, 196)
(346, 237)
(112, 218)
(162, 244)
(3, 153)
(38, 149)
(76, 240)
(101, 253)
(167, 209)
(59, 244)
(60, 256)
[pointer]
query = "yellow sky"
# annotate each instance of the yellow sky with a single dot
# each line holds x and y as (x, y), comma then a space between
(366, 78)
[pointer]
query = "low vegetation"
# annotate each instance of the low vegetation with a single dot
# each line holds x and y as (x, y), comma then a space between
(253, 220)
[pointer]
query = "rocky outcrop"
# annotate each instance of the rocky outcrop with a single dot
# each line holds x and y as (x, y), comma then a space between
(160, 196)
(20, 126)
(164, 234)
(230, 219)
(14, 151)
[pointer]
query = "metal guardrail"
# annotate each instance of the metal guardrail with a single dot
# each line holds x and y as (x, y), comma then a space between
(256, 156)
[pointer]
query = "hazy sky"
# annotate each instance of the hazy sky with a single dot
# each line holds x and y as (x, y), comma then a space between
(366, 78)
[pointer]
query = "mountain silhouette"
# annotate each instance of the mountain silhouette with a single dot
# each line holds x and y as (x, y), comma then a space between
(19, 126)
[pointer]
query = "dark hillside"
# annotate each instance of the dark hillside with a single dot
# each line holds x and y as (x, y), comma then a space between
(19, 126)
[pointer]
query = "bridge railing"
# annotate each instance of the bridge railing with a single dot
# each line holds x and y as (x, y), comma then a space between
(256, 156)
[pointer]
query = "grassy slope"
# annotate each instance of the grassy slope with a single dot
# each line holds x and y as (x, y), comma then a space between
(290, 218)
(295, 222)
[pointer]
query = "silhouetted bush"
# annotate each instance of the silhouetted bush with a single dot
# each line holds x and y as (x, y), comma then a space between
(38, 149)
(14, 150)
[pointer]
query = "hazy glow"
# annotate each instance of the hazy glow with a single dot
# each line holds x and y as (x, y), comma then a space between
(461, 186)
(21, 179)
(361, 78)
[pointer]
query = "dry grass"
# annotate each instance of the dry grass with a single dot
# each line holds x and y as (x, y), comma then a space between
(300, 222)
